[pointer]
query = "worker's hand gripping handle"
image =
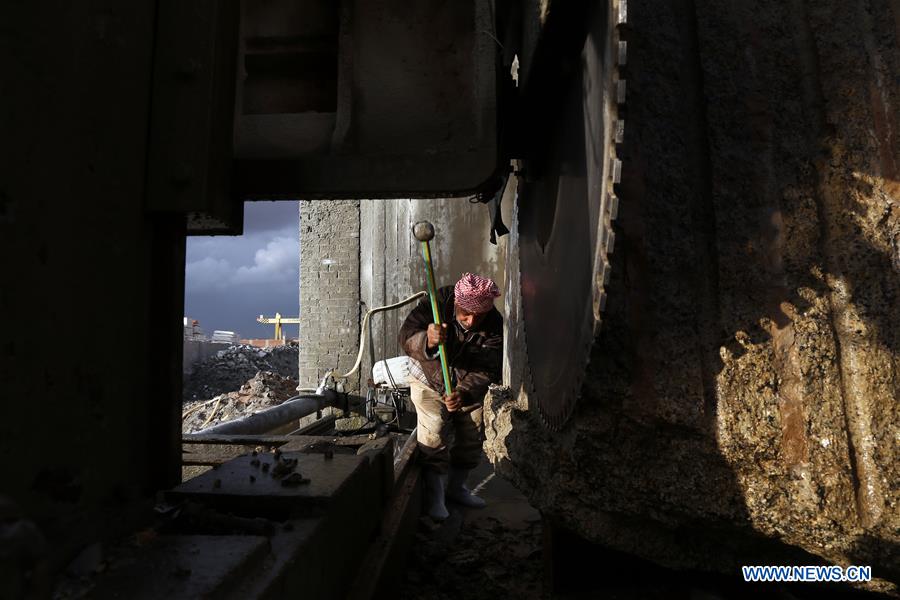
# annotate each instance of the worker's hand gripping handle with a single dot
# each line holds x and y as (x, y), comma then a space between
(424, 232)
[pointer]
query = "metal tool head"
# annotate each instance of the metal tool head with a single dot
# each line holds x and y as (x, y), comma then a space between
(424, 231)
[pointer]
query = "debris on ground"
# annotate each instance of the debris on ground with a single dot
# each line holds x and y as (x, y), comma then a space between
(482, 554)
(231, 367)
(483, 561)
(264, 390)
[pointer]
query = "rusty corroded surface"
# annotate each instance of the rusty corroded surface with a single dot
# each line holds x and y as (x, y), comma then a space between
(743, 397)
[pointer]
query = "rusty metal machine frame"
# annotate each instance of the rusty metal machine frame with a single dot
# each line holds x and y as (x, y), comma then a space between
(320, 99)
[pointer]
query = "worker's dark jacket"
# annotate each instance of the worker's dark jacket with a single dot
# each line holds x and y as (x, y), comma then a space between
(475, 357)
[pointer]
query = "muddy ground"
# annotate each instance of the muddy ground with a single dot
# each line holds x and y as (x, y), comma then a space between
(494, 552)
(501, 551)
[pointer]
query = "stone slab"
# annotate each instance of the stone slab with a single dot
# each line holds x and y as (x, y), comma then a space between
(230, 485)
(212, 454)
(246, 439)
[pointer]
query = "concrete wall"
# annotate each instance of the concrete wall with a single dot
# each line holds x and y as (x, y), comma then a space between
(329, 288)
(358, 255)
(197, 350)
(391, 265)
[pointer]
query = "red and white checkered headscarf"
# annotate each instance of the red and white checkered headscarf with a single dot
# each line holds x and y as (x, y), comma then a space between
(475, 293)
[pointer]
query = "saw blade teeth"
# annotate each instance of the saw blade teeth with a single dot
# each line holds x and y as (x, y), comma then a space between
(616, 170)
(548, 403)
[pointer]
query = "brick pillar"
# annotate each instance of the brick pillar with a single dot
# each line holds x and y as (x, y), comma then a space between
(329, 289)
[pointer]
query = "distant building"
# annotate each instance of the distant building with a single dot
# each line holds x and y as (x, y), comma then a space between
(192, 330)
(225, 337)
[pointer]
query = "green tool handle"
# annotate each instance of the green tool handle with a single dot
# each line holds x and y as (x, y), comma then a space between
(432, 293)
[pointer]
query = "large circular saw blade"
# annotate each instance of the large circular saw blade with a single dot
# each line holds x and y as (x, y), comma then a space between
(565, 211)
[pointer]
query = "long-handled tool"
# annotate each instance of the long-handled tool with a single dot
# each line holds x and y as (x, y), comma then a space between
(424, 232)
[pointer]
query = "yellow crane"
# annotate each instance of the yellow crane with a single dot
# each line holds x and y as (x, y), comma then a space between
(278, 320)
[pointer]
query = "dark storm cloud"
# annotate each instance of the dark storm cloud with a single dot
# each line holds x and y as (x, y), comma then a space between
(269, 216)
(230, 280)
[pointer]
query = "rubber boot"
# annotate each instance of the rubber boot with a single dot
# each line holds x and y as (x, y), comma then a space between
(435, 484)
(458, 492)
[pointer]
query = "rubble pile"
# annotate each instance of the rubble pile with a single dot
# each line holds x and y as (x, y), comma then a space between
(263, 390)
(230, 368)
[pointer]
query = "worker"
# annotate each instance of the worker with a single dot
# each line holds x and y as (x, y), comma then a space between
(450, 427)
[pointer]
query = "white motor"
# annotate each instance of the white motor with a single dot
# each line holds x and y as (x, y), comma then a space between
(398, 368)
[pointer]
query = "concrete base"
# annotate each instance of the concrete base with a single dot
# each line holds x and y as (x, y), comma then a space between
(184, 566)
(306, 540)
(353, 423)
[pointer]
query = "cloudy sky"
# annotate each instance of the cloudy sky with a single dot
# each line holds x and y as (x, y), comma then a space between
(230, 280)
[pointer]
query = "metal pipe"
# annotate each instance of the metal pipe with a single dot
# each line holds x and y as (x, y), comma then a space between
(266, 420)
(407, 449)
(363, 329)
(405, 457)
